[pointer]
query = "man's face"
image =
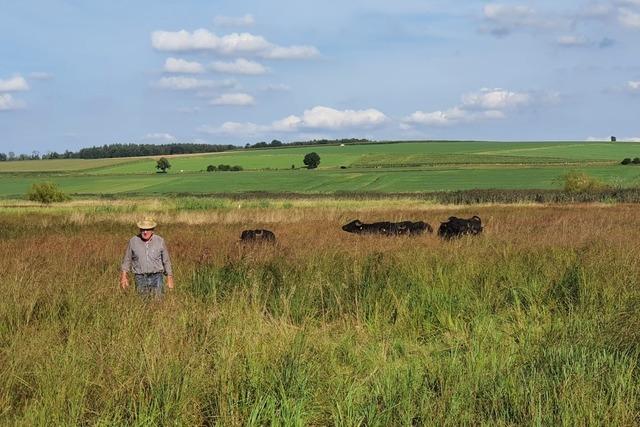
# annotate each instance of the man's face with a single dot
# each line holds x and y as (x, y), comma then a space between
(146, 233)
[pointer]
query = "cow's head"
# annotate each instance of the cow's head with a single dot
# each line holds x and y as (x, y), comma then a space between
(353, 227)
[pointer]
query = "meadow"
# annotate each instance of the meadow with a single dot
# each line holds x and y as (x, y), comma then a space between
(534, 322)
(397, 167)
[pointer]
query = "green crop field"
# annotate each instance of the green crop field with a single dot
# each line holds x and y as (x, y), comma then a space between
(61, 165)
(392, 167)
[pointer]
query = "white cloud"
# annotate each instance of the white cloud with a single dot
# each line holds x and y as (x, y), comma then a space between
(571, 41)
(176, 65)
(231, 21)
(234, 128)
(14, 84)
(486, 104)
(231, 44)
(190, 83)
(292, 52)
(328, 118)
(633, 86)
(451, 116)
(316, 118)
(8, 103)
(234, 99)
(159, 136)
(495, 99)
(239, 66)
(629, 18)
(277, 88)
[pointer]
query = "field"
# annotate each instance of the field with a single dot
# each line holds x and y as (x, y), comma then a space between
(535, 322)
(387, 168)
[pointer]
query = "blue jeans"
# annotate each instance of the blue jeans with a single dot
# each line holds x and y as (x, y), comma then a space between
(150, 285)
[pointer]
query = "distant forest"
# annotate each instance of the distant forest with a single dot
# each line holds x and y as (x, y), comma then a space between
(138, 150)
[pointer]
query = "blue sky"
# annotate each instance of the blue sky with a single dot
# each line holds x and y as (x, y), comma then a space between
(75, 74)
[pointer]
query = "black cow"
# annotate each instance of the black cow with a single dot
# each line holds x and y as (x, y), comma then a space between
(259, 235)
(456, 227)
(387, 228)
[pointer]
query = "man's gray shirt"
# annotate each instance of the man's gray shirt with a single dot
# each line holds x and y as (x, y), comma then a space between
(147, 257)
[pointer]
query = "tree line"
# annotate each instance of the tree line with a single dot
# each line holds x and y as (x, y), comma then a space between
(140, 150)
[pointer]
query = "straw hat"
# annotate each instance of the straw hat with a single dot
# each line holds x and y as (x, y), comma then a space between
(147, 223)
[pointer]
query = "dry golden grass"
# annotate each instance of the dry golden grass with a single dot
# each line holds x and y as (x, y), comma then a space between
(532, 322)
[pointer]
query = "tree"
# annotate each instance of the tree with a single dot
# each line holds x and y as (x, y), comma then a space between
(3, 157)
(46, 192)
(163, 164)
(211, 168)
(312, 160)
(636, 160)
(625, 161)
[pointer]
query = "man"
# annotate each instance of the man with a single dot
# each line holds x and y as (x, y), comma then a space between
(147, 257)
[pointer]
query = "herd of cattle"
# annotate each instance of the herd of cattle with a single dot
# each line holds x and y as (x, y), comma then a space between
(452, 228)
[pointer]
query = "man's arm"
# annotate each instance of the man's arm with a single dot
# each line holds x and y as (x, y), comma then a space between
(166, 263)
(125, 267)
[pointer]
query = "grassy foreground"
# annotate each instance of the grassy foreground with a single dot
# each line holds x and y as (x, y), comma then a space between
(535, 322)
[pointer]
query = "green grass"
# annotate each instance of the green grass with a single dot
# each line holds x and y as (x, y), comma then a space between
(393, 167)
(316, 181)
(400, 154)
(61, 165)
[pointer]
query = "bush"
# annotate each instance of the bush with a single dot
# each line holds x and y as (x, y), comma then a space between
(626, 161)
(577, 182)
(211, 168)
(46, 192)
(636, 160)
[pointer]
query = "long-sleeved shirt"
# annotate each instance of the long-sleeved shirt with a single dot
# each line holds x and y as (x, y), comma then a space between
(147, 257)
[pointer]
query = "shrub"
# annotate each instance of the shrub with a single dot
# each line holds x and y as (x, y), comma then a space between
(636, 160)
(211, 168)
(626, 161)
(576, 182)
(46, 192)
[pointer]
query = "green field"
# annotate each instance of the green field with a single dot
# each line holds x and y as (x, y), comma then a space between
(392, 167)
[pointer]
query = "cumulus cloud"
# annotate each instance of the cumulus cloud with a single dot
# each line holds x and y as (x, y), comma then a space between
(316, 118)
(486, 104)
(230, 44)
(176, 65)
(14, 84)
(501, 19)
(159, 136)
(495, 99)
(234, 99)
(9, 103)
(239, 66)
(231, 21)
(191, 83)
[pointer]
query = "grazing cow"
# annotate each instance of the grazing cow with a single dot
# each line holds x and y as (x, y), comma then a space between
(387, 228)
(456, 227)
(259, 235)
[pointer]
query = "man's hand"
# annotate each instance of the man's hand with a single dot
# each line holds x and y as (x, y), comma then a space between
(170, 282)
(124, 280)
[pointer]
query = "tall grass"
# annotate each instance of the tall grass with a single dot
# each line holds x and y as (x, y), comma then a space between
(533, 322)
